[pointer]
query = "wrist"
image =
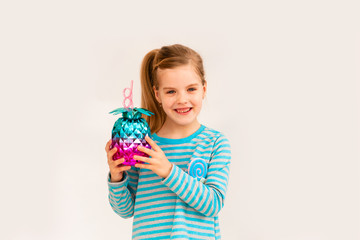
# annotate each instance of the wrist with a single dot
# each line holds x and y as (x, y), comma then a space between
(169, 170)
(116, 179)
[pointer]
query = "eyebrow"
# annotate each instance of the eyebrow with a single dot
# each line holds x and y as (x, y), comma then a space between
(187, 86)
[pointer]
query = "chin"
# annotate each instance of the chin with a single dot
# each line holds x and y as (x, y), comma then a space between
(185, 123)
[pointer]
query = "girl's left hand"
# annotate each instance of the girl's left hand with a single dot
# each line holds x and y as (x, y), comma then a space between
(158, 162)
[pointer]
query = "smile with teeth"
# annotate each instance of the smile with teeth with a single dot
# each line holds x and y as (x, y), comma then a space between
(183, 110)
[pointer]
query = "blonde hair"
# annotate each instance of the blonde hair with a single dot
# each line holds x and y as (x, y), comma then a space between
(166, 57)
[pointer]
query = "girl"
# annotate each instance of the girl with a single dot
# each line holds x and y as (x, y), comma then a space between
(179, 190)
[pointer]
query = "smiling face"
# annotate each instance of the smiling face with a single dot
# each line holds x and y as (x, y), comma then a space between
(180, 93)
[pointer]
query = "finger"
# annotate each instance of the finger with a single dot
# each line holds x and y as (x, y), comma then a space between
(152, 144)
(107, 147)
(124, 168)
(141, 158)
(112, 152)
(116, 162)
(146, 166)
(146, 150)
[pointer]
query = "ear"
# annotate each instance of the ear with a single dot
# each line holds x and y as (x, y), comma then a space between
(156, 94)
(205, 89)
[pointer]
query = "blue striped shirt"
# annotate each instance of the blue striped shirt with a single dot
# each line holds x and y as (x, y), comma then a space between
(184, 205)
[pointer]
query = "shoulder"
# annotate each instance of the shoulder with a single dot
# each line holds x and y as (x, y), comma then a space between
(218, 146)
(213, 136)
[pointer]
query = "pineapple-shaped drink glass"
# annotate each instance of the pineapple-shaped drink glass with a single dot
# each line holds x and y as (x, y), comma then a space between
(129, 131)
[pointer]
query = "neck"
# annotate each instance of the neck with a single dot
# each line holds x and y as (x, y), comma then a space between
(175, 131)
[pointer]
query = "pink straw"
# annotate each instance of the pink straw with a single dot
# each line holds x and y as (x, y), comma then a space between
(129, 97)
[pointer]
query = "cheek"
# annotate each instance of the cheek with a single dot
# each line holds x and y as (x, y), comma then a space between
(198, 101)
(168, 102)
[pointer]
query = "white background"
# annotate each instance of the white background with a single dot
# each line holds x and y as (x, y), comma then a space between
(283, 85)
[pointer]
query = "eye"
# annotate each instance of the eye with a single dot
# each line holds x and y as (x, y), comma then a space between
(171, 91)
(192, 89)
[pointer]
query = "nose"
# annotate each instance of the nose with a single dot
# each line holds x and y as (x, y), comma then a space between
(183, 98)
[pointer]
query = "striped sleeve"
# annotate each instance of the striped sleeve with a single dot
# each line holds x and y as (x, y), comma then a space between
(208, 197)
(122, 194)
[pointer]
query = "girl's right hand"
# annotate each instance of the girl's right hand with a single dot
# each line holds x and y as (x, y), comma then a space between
(116, 166)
